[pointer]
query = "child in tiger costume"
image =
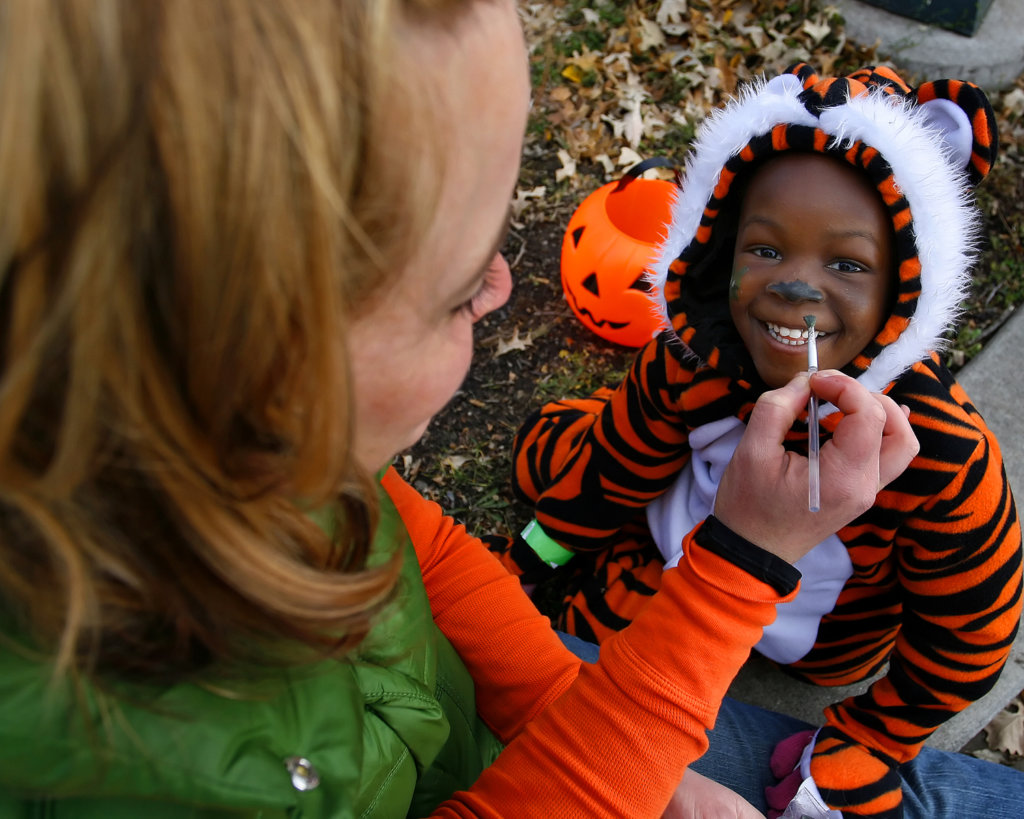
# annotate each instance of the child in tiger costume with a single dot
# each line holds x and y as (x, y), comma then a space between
(848, 199)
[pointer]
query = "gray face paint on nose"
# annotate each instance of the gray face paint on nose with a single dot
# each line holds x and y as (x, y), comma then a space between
(796, 291)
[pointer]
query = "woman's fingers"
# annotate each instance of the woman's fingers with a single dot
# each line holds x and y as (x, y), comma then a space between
(874, 437)
(763, 493)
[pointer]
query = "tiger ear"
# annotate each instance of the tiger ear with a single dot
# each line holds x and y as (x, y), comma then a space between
(964, 116)
(803, 72)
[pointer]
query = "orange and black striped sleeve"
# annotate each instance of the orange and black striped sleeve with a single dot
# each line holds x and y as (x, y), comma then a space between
(588, 466)
(958, 572)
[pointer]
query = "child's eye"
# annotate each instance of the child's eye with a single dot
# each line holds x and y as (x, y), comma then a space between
(766, 252)
(847, 266)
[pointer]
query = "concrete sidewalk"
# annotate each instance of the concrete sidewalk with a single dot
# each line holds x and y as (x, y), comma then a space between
(993, 57)
(999, 395)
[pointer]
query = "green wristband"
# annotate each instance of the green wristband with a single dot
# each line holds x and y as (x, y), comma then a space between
(548, 550)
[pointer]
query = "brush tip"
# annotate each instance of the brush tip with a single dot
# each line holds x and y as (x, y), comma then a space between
(809, 321)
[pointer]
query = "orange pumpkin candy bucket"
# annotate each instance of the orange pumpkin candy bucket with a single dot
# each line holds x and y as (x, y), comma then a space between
(610, 242)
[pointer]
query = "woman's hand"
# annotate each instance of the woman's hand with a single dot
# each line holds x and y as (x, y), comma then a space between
(698, 797)
(763, 493)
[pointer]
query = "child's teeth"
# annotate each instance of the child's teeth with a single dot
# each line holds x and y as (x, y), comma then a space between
(790, 335)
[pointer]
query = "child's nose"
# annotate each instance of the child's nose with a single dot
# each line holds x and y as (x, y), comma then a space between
(796, 291)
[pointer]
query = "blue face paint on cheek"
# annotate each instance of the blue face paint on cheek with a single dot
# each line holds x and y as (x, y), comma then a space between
(735, 282)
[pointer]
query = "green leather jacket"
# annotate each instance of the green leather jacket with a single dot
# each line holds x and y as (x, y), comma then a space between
(343, 739)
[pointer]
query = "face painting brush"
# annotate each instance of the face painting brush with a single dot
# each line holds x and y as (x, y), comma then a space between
(813, 443)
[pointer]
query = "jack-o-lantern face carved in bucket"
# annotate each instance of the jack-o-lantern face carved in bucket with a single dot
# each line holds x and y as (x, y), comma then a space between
(610, 242)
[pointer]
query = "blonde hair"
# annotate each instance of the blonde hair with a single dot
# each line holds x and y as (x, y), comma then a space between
(196, 195)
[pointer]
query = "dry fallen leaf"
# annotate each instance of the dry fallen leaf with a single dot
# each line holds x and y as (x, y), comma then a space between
(817, 31)
(605, 162)
(514, 343)
(568, 168)
(454, 462)
(1013, 102)
(651, 35)
(522, 200)
(673, 16)
(411, 467)
(587, 61)
(1006, 730)
(628, 158)
(573, 72)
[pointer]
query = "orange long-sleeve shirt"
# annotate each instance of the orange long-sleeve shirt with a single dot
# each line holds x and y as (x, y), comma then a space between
(611, 739)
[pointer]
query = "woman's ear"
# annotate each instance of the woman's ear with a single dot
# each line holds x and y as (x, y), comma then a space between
(964, 116)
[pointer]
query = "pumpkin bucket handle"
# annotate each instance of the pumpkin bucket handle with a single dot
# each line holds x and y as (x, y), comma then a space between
(637, 170)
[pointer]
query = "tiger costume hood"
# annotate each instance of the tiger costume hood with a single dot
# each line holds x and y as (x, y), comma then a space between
(923, 149)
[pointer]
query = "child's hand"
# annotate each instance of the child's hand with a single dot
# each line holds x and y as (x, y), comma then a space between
(763, 493)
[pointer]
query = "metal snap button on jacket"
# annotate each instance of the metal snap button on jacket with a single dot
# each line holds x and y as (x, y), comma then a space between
(304, 775)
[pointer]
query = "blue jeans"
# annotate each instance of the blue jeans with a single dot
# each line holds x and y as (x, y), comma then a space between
(936, 784)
